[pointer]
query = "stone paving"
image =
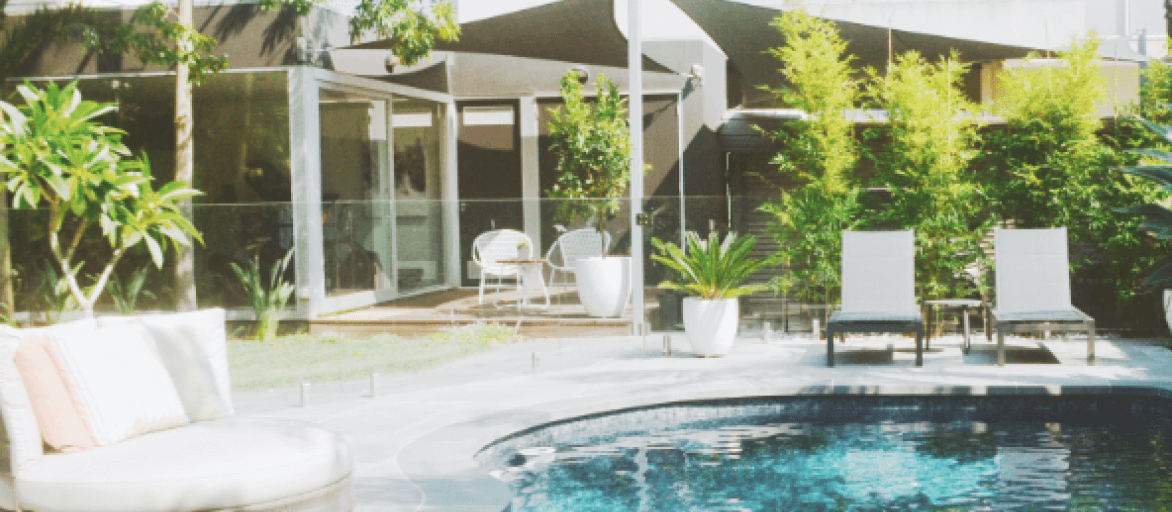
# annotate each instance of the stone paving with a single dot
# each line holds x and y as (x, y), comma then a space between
(414, 442)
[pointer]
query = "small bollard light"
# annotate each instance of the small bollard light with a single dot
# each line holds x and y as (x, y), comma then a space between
(374, 384)
(768, 335)
(305, 393)
(535, 362)
(816, 328)
(667, 344)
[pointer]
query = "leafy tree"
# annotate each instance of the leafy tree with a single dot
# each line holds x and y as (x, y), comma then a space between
(22, 38)
(592, 143)
(819, 152)
(926, 147)
(1044, 164)
(56, 156)
(1051, 167)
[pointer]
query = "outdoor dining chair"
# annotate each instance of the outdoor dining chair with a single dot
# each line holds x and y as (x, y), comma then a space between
(1033, 287)
(491, 248)
(569, 248)
(878, 288)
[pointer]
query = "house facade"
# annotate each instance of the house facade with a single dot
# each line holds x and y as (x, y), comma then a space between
(380, 177)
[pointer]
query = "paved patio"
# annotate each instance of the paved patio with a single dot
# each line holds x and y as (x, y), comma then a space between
(414, 442)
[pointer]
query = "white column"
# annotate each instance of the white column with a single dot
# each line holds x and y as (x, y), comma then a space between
(305, 172)
(635, 66)
(530, 172)
(451, 197)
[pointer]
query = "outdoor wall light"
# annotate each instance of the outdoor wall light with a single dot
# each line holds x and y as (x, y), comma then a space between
(390, 62)
(696, 74)
(305, 50)
(583, 74)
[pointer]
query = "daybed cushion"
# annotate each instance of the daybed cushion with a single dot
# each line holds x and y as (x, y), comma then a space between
(119, 382)
(58, 414)
(20, 424)
(194, 348)
(204, 465)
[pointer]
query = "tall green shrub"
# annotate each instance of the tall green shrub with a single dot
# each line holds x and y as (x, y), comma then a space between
(923, 159)
(592, 143)
(1051, 167)
(819, 152)
(1044, 166)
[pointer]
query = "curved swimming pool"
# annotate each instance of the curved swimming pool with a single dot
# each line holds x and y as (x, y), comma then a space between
(857, 453)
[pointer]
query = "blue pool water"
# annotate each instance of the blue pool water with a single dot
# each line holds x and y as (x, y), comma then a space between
(895, 456)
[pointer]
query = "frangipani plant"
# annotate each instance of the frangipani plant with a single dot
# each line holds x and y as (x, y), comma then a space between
(55, 155)
(711, 269)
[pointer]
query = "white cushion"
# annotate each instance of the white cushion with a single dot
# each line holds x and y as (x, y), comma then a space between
(119, 381)
(206, 465)
(879, 272)
(1033, 270)
(20, 424)
(194, 348)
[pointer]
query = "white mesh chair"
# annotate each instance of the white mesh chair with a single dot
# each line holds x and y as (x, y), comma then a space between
(490, 248)
(1033, 286)
(571, 246)
(878, 288)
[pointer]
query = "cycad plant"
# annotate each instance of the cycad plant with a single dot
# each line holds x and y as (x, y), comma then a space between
(1158, 219)
(267, 298)
(125, 295)
(711, 269)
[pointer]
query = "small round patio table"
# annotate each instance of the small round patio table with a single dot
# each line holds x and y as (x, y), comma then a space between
(530, 275)
(964, 305)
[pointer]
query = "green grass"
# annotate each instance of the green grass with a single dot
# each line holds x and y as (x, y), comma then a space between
(288, 360)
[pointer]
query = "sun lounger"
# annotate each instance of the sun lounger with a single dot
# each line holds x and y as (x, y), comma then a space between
(1033, 287)
(878, 288)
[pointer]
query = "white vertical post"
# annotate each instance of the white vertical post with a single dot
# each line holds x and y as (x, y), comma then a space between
(451, 196)
(305, 164)
(635, 67)
(530, 172)
(391, 208)
(680, 166)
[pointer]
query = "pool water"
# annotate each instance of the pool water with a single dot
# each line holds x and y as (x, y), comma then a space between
(752, 464)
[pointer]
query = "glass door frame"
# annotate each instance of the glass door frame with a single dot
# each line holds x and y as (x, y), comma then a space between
(305, 86)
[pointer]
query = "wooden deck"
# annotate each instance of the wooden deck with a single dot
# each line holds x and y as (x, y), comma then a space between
(428, 313)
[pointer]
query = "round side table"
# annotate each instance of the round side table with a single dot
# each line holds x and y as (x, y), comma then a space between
(964, 305)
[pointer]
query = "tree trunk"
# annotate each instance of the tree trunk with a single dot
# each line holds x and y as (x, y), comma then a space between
(7, 295)
(184, 166)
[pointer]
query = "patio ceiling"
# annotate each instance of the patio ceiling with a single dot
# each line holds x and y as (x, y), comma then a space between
(577, 31)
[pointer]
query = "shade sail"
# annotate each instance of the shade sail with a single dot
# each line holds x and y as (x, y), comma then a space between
(744, 33)
(578, 31)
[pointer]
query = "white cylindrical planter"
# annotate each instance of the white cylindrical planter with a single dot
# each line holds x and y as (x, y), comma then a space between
(604, 284)
(1168, 307)
(711, 325)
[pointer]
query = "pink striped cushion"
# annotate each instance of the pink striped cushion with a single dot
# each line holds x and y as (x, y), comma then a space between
(54, 405)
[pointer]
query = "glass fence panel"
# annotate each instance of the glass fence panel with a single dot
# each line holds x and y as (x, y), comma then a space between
(239, 234)
(407, 247)
(421, 239)
(356, 248)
